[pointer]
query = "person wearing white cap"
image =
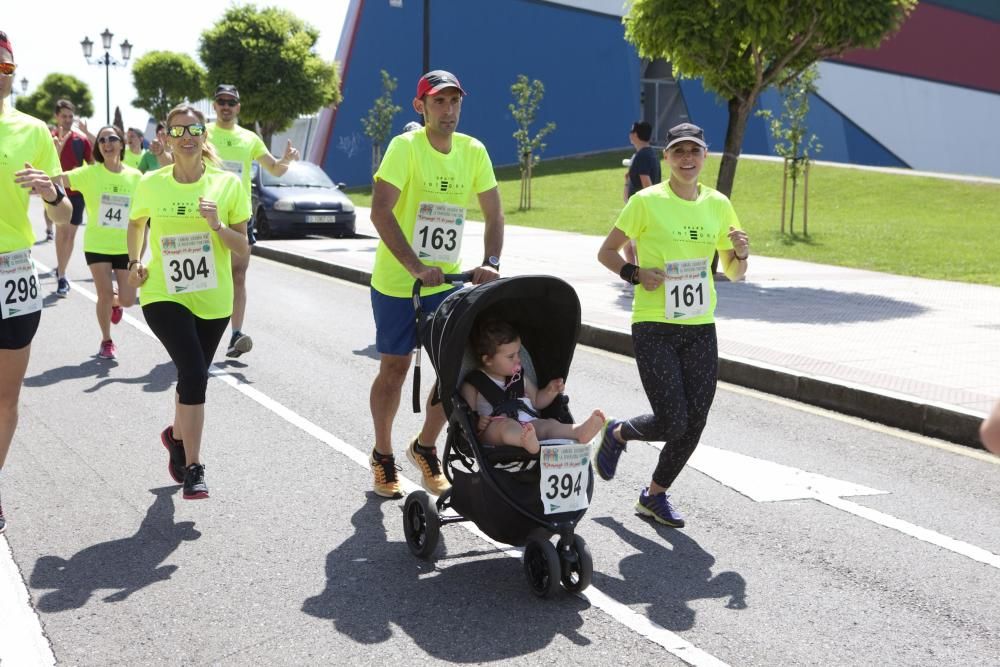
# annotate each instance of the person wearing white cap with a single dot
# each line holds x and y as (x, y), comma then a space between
(422, 187)
(679, 225)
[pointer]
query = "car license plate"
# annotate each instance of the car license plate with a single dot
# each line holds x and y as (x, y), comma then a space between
(321, 218)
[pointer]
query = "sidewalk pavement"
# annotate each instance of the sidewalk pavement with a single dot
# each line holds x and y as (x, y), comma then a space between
(916, 354)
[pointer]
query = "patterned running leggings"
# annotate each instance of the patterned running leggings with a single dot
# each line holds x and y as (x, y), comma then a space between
(679, 367)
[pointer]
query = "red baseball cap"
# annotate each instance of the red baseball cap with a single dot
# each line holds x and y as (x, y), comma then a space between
(5, 43)
(436, 81)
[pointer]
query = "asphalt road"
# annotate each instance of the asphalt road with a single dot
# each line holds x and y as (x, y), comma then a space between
(294, 561)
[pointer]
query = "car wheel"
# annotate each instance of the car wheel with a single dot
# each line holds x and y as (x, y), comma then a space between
(261, 226)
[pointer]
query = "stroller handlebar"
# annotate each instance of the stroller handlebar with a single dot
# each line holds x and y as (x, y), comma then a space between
(465, 277)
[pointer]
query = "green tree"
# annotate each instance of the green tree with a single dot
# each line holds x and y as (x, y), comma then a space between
(164, 79)
(527, 98)
(41, 103)
(740, 47)
(378, 122)
(269, 54)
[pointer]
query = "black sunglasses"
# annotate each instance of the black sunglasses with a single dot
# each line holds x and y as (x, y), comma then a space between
(228, 102)
(109, 139)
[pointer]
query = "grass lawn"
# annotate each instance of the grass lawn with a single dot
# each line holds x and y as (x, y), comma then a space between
(908, 225)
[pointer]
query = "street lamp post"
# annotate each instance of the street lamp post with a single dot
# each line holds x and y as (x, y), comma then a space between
(108, 62)
(14, 93)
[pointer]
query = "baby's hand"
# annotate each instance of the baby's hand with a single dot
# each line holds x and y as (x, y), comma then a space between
(556, 386)
(483, 422)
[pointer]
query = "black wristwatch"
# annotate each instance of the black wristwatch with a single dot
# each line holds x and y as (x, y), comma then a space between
(60, 195)
(493, 261)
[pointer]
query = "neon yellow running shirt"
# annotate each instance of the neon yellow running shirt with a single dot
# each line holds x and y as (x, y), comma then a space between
(108, 197)
(22, 139)
(190, 265)
(672, 231)
(426, 177)
(238, 148)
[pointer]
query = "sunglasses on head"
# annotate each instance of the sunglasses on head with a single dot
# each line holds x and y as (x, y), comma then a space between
(226, 102)
(177, 131)
(110, 139)
(7, 68)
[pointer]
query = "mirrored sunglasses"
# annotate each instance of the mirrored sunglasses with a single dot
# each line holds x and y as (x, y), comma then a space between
(177, 131)
(7, 68)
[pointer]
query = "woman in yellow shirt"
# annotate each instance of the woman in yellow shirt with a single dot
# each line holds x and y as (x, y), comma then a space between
(27, 163)
(107, 187)
(198, 217)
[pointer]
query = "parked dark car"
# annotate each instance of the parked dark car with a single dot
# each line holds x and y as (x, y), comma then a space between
(303, 201)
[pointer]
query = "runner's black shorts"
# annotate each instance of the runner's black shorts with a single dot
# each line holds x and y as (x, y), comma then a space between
(117, 262)
(17, 332)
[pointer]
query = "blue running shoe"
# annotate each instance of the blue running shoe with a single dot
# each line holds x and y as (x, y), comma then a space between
(659, 508)
(609, 451)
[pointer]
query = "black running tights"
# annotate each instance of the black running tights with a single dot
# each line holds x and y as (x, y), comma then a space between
(191, 343)
(679, 366)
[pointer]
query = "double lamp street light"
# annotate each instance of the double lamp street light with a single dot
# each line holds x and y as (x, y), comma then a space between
(107, 61)
(14, 93)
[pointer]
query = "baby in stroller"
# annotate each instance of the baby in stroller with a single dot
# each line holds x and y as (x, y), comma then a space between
(508, 403)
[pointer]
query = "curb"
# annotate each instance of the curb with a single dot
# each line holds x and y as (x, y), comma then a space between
(897, 411)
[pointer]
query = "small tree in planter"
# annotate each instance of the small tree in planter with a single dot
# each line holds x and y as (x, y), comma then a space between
(527, 97)
(789, 131)
(378, 123)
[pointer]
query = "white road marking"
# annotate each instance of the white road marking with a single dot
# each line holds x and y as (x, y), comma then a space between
(766, 481)
(22, 641)
(671, 642)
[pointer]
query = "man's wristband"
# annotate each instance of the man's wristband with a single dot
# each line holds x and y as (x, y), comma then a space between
(630, 274)
(131, 263)
(742, 259)
(60, 195)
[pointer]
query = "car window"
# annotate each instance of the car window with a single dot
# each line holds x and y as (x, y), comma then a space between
(299, 175)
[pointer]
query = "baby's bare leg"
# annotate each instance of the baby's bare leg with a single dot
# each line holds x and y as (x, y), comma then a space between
(550, 428)
(509, 431)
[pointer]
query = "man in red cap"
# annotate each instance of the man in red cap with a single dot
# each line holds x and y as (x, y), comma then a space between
(425, 181)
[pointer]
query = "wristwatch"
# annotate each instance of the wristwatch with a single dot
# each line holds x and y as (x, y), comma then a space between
(60, 195)
(493, 261)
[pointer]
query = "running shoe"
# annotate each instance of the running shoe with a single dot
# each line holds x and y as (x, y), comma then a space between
(49, 235)
(62, 289)
(239, 344)
(426, 460)
(107, 350)
(609, 451)
(175, 465)
(384, 470)
(659, 508)
(3, 521)
(116, 314)
(194, 482)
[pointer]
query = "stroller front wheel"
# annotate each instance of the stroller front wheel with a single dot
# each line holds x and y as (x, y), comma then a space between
(578, 568)
(541, 566)
(421, 524)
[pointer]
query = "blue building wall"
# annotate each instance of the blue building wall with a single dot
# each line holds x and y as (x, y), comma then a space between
(591, 75)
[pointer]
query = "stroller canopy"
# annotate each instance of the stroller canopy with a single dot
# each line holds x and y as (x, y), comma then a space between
(545, 310)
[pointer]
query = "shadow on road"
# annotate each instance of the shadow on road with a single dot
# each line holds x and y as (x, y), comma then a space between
(124, 566)
(375, 586)
(159, 378)
(666, 579)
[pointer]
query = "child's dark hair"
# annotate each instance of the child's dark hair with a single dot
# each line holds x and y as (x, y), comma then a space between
(488, 335)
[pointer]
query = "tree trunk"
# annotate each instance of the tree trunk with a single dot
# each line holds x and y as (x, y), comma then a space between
(739, 112)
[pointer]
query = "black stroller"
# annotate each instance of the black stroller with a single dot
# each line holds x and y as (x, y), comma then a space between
(499, 488)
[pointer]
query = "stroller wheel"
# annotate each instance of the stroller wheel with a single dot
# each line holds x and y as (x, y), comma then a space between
(578, 570)
(541, 566)
(421, 524)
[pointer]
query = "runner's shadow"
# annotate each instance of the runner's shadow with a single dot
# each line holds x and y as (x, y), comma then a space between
(124, 566)
(689, 577)
(159, 378)
(369, 352)
(375, 586)
(95, 368)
